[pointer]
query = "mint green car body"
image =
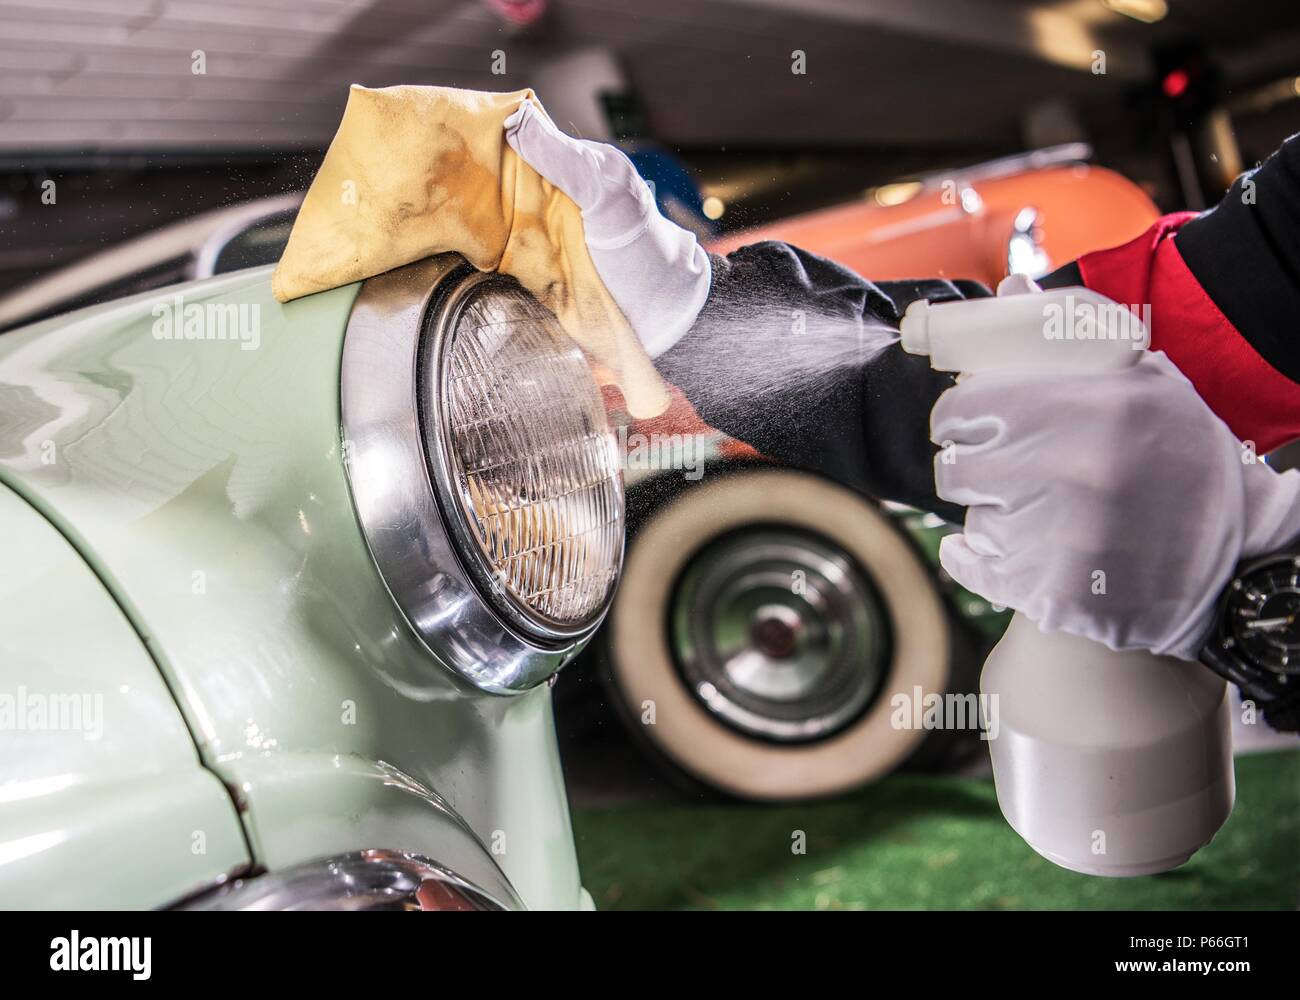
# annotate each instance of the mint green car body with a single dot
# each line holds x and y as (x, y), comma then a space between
(180, 549)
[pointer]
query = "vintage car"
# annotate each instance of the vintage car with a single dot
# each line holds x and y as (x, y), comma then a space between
(1026, 214)
(246, 234)
(285, 587)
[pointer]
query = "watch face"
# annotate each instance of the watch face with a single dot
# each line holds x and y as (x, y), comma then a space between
(1263, 616)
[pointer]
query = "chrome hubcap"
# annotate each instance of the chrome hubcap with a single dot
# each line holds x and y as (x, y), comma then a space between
(779, 633)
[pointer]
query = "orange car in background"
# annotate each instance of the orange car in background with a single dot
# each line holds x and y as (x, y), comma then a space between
(1029, 214)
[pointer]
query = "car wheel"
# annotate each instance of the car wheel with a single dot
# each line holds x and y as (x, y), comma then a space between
(764, 622)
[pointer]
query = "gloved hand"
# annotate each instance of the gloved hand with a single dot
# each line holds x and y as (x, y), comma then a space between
(656, 271)
(1112, 506)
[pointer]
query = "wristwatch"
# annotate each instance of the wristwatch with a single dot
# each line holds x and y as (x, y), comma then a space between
(1255, 642)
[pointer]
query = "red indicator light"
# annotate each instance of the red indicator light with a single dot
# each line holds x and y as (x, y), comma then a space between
(1175, 84)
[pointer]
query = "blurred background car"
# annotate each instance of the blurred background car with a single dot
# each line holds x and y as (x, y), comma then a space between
(143, 143)
(246, 234)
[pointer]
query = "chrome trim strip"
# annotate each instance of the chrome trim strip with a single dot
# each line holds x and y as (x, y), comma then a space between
(361, 880)
(1035, 159)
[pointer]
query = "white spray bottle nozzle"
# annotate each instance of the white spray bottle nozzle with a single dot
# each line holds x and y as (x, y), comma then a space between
(1018, 284)
(914, 331)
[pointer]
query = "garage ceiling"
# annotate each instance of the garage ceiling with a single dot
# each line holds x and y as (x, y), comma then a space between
(116, 75)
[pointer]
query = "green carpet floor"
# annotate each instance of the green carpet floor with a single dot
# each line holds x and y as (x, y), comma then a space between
(922, 842)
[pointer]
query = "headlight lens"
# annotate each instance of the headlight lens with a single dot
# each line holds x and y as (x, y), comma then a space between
(521, 450)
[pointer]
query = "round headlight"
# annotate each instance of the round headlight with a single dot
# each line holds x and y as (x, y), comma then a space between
(522, 456)
(483, 470)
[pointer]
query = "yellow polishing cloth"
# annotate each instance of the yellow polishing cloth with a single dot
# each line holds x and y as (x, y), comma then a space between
(418, 171)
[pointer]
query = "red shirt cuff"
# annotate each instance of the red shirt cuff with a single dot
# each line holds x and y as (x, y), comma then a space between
(1258, 402)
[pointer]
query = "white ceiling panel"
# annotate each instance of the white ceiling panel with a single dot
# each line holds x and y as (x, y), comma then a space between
(116, 75)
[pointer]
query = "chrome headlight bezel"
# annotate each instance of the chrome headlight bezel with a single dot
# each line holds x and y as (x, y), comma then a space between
(401, 490)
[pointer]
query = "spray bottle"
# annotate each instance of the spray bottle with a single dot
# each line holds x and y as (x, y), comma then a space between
(1106, 763)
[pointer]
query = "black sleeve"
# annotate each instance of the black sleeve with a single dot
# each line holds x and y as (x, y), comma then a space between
(1245, 253)
(798, 357)
(1065, 276)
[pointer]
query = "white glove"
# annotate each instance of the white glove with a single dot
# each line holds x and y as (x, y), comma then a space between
(656, 271)
(1112, 506)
